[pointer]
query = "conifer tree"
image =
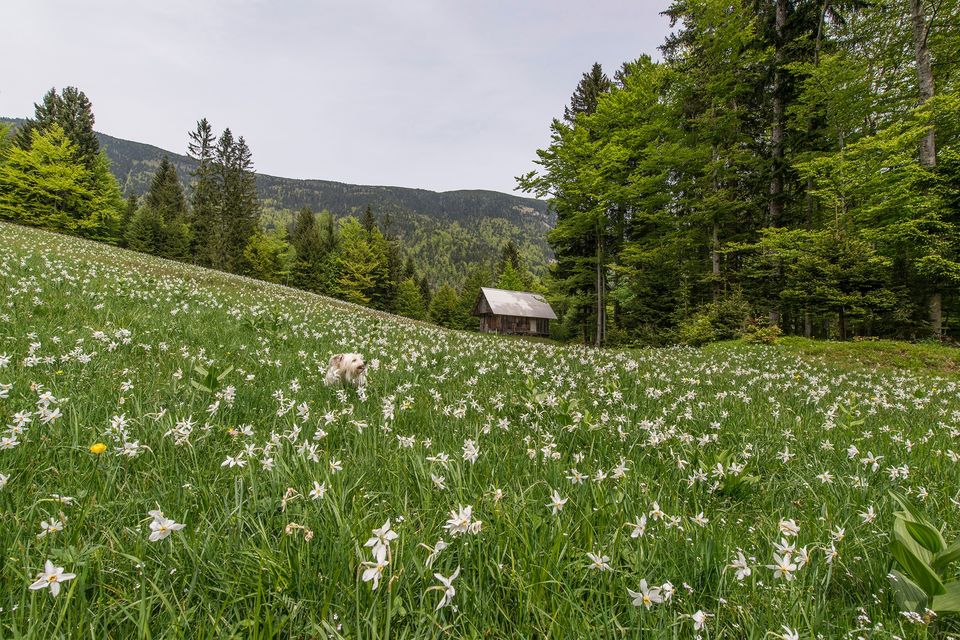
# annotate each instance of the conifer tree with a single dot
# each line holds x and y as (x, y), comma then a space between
(368, 221)
(409, 302)
(204, 197)
(356, 263)
(445, 308)
(309, 251)
(425, 290)
(166, 194)
(592, 85)
(146, 232)
(129, 211)
(166, 203)
(72, 110)
(237, 205)
(477, 277)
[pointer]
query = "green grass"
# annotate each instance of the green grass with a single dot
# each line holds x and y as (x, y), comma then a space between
(884, 354)
(110, 333)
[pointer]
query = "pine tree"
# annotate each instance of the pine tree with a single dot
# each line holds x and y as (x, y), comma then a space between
(445, 308)
(166, 202)
(166, 194)
(592, 85)
(45, 115)
(409, 301)
(477, 277)
(425, 290)
(246, 219)
(71, 110)
(237, 205)
(356, 263)
(511, 279)
(204, 197)
(129, 211)
(146, 232)
(309, 252)
(368, 221)
(512, 273)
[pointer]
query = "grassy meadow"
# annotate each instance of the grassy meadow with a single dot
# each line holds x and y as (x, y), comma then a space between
(573, 493)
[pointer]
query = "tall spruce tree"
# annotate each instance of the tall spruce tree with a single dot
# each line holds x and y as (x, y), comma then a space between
(72, 110)
(166, 193)
(356, 263)
(592, 85)
(204, 197)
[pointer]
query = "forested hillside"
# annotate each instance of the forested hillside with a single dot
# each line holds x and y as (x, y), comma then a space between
(444, 232)
(55, 174)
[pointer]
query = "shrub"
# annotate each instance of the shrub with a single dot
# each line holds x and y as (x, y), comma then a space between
(697, 330)
(761, 333)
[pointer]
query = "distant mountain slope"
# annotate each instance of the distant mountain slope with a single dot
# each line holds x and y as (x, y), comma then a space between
(444, 231)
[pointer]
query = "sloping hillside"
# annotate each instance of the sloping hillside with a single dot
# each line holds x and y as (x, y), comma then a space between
(168, 446)
(443, 230)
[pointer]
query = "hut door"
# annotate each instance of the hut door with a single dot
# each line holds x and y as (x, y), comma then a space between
(533, 325)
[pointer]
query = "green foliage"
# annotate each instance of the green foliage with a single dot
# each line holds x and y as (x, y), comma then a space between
(146, 231)
(357, 264)
(166, 193)
(924, 557)
(45, 185)
(445, 309)
(72, 111)
(775, 151)
(724, 319)
(6, 139)
(269, 257)
(697, 330)
(761, 333)
(409, 302)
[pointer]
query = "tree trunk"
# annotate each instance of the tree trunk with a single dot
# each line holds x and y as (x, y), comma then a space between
(775, 213)
(715, 238)
(601, 294)
(842, 324)
(715, 259)
(936, 314)
(807, 325)
(779, 127)
(928, 146)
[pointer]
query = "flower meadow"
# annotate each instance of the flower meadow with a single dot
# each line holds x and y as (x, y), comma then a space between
(171, 464)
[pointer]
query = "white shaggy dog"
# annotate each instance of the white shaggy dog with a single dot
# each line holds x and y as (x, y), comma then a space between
(348, 368)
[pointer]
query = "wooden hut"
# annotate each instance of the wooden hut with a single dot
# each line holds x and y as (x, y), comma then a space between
(516, 312)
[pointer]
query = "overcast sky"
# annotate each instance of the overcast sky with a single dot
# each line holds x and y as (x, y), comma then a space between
(437, 94)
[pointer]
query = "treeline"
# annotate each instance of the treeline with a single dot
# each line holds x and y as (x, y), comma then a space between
(790, 166)
(54, 175)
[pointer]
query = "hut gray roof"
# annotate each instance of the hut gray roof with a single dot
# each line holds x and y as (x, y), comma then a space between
(515, 303)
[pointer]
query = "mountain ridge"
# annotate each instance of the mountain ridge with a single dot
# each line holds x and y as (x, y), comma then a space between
(446, 231)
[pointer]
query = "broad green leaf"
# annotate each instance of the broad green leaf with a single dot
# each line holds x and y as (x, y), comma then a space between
(926, 535)
(906, 506)
(914, 559)
(948, 555)
(948, 602)
(908, 595)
